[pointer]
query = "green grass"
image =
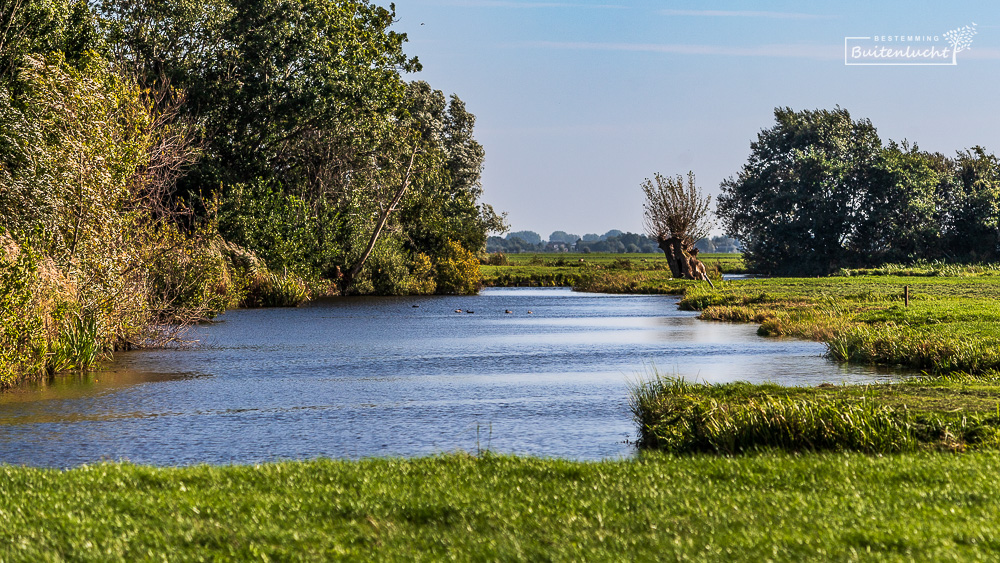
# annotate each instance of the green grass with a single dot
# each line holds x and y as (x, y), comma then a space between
(950, 329)
(750, 508)
(732, 262)
(600, 272)
(951, 323)
(955, 413)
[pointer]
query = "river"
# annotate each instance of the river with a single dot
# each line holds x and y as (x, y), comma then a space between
(362, 377)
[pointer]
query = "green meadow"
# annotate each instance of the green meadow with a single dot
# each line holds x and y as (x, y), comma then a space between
(776, 507)
(642, 273)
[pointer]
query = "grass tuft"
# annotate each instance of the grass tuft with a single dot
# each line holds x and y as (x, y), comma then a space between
(677, 416)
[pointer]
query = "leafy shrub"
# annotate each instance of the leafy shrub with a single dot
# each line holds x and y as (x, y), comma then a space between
(386, 272)
(283, 230)
(421, 279)
(22, 331)
(191, 278)
(458, 270)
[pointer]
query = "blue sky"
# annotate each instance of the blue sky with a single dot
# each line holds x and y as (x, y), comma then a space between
(578, 101)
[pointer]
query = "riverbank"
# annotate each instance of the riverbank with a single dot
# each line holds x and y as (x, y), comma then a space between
(941, 323)
(949, 413)
(774, 507)
(941, 320)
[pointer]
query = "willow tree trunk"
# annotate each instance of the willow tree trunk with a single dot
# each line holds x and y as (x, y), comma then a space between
(677, 258)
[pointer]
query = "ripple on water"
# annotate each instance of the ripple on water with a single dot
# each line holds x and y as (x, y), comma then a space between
(360, 377)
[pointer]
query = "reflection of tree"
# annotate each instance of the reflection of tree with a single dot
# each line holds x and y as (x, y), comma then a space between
(960, 40)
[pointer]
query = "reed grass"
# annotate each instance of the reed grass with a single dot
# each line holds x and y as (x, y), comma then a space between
(677, 416)
(269, 289)
(78, 346)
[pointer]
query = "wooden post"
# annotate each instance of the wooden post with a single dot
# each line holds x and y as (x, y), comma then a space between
(906, 296)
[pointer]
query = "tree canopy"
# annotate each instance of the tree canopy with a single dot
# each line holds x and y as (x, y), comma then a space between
(301, 105)
(820, 191)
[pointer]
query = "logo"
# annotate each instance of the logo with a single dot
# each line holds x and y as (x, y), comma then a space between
(917, 50)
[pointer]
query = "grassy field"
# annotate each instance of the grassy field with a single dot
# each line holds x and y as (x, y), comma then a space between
(950, 324)
(774, 507)
(822, 473)
(647, 273)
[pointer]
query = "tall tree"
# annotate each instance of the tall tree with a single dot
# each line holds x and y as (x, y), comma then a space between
(445, 205)
(897, 216)
(275, 85)
(794, 203)
(971, 221)
(44, 27)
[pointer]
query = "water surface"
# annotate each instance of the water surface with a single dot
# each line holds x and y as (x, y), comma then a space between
(361, 377)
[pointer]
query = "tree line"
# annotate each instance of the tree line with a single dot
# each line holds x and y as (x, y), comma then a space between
(161, 160)
(613, 241)
(821, 191)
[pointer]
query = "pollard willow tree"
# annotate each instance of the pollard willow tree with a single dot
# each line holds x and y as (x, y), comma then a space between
(677, 215)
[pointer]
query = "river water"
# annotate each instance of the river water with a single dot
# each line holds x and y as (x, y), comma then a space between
(363, 377)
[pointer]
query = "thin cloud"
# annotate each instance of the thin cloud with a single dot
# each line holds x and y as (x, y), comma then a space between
(744, 14)
(523, 5)
(800, 51)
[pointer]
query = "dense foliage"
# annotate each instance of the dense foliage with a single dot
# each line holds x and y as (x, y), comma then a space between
(315, 145)
(161, 161)
(821, 191)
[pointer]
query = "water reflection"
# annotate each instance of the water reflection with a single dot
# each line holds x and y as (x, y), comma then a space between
(395, 376)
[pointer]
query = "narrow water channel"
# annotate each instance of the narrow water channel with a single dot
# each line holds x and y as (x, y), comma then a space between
(362, 377)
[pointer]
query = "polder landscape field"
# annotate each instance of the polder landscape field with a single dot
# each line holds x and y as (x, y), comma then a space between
(640, 273)
(900, 471)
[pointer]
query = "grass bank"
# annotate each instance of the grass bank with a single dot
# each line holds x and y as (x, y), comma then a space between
(942, 319)
(950, 413)
(950, 322)
(772, 507)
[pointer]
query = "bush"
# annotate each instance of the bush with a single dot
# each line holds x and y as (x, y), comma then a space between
(268, 289)
(458, 271)
(191, 278)
(421, 279)
(497, 258)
